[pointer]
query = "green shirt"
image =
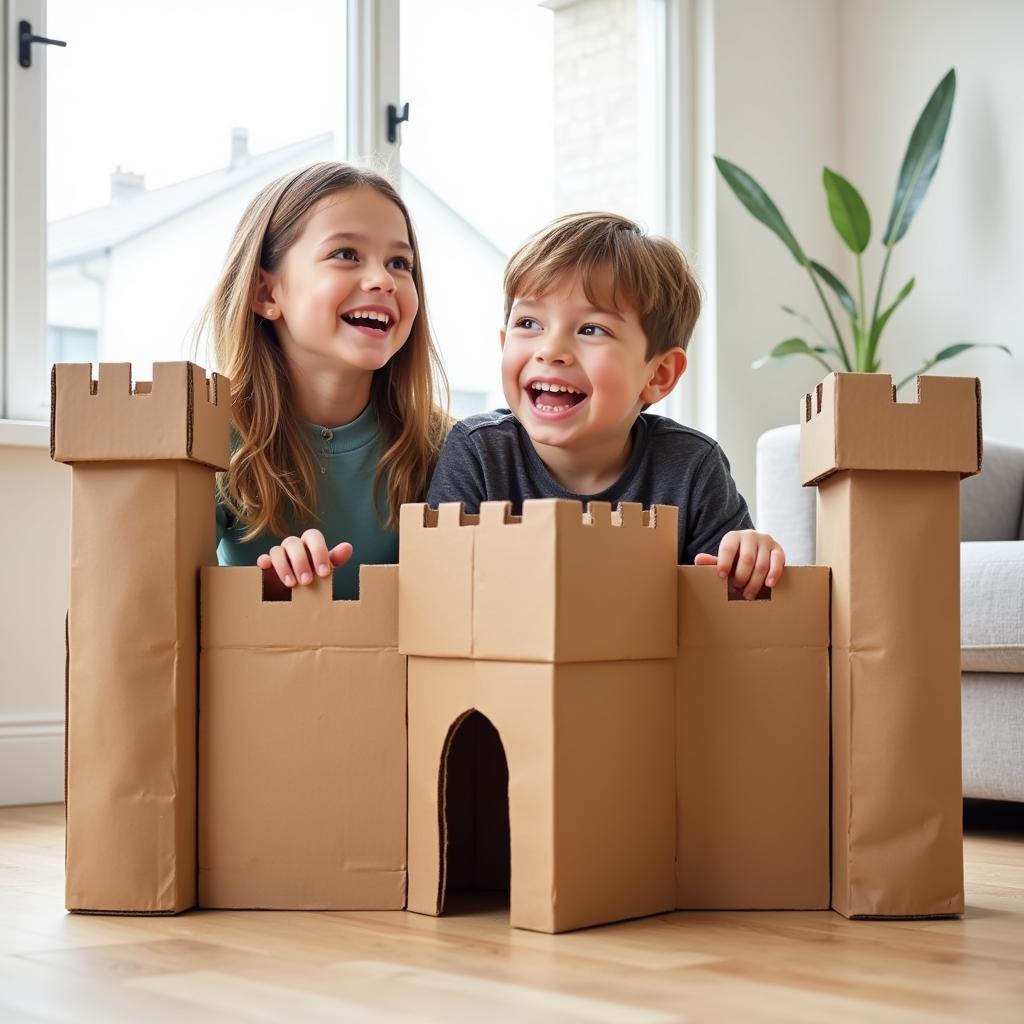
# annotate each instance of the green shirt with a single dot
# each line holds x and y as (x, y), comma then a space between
(346, 458)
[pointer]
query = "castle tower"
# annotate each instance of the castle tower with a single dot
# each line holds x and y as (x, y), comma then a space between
(888, 478)
(143, 462)
(546, 642)
(302, 771)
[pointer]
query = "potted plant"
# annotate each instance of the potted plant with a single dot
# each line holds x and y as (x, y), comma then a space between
(860, 351)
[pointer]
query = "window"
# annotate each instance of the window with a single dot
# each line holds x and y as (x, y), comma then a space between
(553, 109)
(162, 121)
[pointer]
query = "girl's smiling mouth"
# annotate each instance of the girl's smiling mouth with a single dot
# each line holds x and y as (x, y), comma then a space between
(373, 321)
(554, 398)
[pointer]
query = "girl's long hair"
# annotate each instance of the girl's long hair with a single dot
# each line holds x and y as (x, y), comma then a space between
(270, 485)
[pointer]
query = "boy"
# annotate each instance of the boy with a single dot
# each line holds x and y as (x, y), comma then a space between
(597, 319)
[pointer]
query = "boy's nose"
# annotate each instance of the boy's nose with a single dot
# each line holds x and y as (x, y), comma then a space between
(553, 350)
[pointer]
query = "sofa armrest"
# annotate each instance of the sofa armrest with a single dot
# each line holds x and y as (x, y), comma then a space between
(992, 503)
(785, 509)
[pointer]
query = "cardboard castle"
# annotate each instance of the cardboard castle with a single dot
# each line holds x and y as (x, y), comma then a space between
(543, 703)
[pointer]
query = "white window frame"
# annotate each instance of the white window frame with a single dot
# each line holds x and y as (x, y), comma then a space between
(372, 84)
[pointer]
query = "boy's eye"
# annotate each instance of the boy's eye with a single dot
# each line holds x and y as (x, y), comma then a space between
(527, 323)
(400, 263)
(593, 330)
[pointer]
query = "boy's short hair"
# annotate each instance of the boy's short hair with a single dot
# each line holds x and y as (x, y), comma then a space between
(649, 273)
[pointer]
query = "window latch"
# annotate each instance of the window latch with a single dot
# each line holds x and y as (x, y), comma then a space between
(395, 119)
(26, 39)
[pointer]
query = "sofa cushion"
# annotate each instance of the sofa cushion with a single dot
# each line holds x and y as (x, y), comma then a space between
(992, 606)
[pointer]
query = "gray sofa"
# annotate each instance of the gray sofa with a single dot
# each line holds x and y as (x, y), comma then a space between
(991, 596)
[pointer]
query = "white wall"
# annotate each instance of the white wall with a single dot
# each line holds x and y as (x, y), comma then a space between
(800, 84)
(776, 99)
(35, 525)
(966, 245)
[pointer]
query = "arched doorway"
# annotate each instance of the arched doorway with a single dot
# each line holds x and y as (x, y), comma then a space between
(474, 823)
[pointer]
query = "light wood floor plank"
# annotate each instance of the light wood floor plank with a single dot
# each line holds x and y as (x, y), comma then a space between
(471, 967)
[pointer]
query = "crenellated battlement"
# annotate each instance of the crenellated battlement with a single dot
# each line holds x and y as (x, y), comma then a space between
(236, 614)
(496, 586)
(180, 414)
(853, 421)
(542, 513)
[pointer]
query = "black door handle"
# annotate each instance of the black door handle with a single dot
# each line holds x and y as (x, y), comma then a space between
(26, 39)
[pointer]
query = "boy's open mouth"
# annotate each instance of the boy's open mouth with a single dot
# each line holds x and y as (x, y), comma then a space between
(547, 397)
(369, 320)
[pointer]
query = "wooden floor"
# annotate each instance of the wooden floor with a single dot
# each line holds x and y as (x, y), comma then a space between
(284, 967)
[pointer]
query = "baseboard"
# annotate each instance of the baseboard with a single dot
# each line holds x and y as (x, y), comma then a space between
(31, 759)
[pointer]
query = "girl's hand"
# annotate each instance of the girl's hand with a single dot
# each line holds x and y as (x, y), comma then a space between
(754, 559)
(296, 559)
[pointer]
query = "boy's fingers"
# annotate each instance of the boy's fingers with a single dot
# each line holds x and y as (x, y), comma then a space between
(705, 559)
(778, 562)
(279, 560)
(295, 549)
(745, 559)
(727, 551)
(318, 555)
(761, 567)
(340, 554)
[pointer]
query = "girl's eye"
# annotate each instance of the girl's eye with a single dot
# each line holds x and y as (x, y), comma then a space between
(593, 331)
(400, 263)
(527, 323)
(346, 254)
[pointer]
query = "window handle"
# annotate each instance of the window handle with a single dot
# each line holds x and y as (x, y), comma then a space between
(395, 118)
(26, 39)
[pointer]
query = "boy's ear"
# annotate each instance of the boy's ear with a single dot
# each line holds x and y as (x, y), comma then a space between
(665, 373)
(263, 295)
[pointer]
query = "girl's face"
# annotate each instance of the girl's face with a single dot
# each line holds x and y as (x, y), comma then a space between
(344, 297)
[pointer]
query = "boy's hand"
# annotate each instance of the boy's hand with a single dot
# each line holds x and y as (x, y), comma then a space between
(754, 559)
(294, 558)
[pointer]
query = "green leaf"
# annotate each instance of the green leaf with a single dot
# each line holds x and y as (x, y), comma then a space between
(757, 201)
(879, 325)
(849, 214)
(921, 158)
(792, 347)
(845, 298)
(825, 346)
(949, 353)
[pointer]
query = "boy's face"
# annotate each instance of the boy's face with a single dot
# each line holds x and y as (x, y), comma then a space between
(577, 374)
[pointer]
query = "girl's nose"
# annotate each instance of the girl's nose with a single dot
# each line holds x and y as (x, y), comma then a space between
(377, 278)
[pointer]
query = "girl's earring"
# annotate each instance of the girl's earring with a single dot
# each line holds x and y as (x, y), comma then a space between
(271, 313)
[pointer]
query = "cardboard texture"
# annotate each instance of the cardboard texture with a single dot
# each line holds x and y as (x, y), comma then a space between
(752, 755)
(888, 525)
(531, 703)
(302, 745)
(551, 585)
(141, 526)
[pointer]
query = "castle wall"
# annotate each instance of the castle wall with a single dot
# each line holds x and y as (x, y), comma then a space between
(302, 745)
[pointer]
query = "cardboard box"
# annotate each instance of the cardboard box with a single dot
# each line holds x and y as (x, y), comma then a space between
(143, 462)
(888, 525)
(752, 749)
(302, 745)
(558, 628)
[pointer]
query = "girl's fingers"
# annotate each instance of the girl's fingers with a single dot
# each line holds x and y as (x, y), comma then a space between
(778, 562)
(761, 566)
(295, 549)
(317, 548)
(264, 562)
(340, 554)
(279, 560)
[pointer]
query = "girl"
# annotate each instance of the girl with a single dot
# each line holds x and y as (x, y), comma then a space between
(319, 321)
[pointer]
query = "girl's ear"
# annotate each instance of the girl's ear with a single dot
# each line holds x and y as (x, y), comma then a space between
(501, 335)
(263, 295)
(665, 374)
